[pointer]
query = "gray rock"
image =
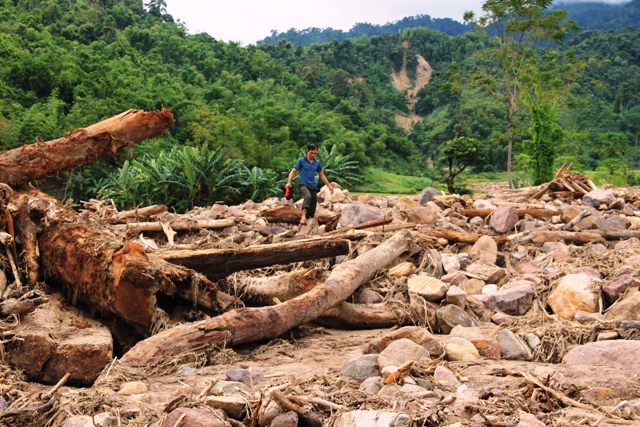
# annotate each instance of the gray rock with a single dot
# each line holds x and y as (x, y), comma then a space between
(287, 419)
(427, 194)
(415, 391)
(362, 367)
(450, 262)
(504, 219)
(483, 204)
(368, 296)
(372, 385)
(356, 213)
(243, 376)
(597, 197)
(227, 388)
(511, 348)
(614, 222)
(532, 340)
(451, 315)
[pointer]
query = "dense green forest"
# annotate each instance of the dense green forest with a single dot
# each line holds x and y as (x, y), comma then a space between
(244, 114)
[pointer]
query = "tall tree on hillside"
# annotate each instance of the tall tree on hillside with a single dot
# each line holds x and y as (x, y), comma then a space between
(520, 27)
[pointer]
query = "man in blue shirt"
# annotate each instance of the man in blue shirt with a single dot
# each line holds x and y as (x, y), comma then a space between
(308, 167)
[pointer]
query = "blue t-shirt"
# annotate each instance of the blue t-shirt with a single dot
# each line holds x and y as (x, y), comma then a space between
(308, 171)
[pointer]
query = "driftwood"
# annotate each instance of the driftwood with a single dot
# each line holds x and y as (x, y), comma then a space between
(213, 224)
(568, 226)
(254, 324)
(362, 316)
(142, 212)
(218, 263)
(95, 268)
(78, 147)
(368, 224)
(567, 183)
(582, 237)
(457, 236)
(260, 291)
(617, 234)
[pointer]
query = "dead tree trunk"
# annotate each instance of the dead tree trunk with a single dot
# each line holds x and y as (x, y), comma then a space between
(254, 324)
(261, 291)
(218, 263)
(364, 316)
(78, 147)
(95, 268)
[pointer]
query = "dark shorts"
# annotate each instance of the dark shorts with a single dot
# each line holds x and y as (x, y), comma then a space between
(310, 199)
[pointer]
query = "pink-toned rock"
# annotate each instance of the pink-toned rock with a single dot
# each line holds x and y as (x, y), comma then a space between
(569, 213)
(417, 334)
(54, 339)
(454, 278)
(197, 418)
(584, 317)
(456, 296)
(586, 223)
(489, 349)
(133, 387)
(614, 222)
(446, 379)
(633, 261)
(614, 288)
(481, 303)
(288, 419)
(500, 318)
(401, 351)
(631, 243)
(597, 197)
(485, 249)
(487, 272)
(627, 308)
(574, 292)
(620, 354)
(235, 406)
(472, 286)
(515, 298)
(504, 219)
(405, 203)
(527, 268)
(529, 420)
(422, 215)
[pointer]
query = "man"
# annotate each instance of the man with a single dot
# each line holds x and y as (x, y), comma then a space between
(308, 167)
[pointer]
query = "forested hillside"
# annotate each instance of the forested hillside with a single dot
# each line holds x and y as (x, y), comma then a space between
(244, 113)
(325, 35)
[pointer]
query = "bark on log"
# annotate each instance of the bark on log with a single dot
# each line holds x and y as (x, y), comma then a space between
(362, 316)
(261, 291)
(292, 215)
(582, 237)
(142, 212)
(218, 263)
(138, 227)
(254, 324)
(28, 236)
(78, 147)
(457, 236)
(97, 269)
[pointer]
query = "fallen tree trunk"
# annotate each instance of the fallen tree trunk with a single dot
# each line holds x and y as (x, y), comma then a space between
(142, 212)
(292, 215)
(80, 146)
(361, 316)
(261, 291)
(95, 268)
(218, 263)
(368, 224)
(213, 224)
(617, 234)
(254, 324)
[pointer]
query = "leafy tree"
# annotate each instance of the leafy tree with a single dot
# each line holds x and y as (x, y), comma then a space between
(459, 154)
(546, 137)
(520, 26)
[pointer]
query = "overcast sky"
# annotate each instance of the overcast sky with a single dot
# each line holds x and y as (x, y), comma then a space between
(246, 21)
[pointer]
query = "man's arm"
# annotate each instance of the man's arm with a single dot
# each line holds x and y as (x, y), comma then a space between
(324, 179)
(290, 178)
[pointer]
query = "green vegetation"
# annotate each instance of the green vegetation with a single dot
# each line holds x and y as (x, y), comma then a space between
(244, 114)
(379, 181)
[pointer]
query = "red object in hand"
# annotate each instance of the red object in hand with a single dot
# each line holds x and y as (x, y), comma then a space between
(287, 193)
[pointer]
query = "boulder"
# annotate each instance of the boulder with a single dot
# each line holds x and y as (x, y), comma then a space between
(450, 262)
(105, 419)
(511, 348)
(422, 215)
(515, 298)
(446, 379)
(614, 222)
(427, 287)
(427, 194)
(235, 406)
(504, 219)
(356, 213)
(487, 272)
(362, 367)
(417, 334)
(245, 377)
(55, 339)
(287, 419)
(460, 349)
(372, 385)
(614, 288)
(485, 249)
(456, 296)
(402, 351)
(197, 418)
(574, 292)
(450, 316)
(627, 308)
(598, 197)
(528, 420)
(620, 354)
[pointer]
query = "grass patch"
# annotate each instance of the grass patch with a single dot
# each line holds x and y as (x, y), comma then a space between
(379, 181)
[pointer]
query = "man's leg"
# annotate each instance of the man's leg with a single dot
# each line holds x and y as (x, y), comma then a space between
(306, 200)
(314, 202)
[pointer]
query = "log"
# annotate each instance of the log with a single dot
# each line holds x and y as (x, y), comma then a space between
(617, 234)
(292, 215)
(213, 224)
(97, 269)
(362, 316)
(254, 324)
(219, 263)
(582, 237)
(535, 213)
(361, 226)
(28, 236)
(80, 146)
(142, 212)
(260, 291)
(457, 236)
